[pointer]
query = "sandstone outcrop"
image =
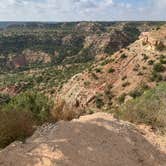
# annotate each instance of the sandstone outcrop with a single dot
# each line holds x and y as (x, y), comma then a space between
(93, 140)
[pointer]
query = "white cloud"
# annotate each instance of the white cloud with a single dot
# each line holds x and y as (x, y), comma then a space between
(68, 10)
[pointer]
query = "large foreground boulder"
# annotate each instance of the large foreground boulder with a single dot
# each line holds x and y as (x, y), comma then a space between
(93, 140)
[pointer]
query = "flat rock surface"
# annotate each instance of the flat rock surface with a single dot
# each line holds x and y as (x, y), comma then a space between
(92, 140)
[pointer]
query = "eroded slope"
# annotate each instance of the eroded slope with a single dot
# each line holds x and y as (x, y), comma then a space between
(139, 66)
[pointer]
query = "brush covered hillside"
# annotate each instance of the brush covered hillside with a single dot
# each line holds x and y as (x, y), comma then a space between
(44, 56)
(62, 71)
(116, 78)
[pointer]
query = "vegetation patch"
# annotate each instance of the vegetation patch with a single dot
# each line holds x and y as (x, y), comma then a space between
(150, 62)
(19, 115)
(98, 70)
(99, 101)
(123, 56)
(145, 57)
(160, 46)
(111, 70)
(125, 84)
(148, 108)
(156, 77)
(158, 67)
(15, 125)
(121, 98)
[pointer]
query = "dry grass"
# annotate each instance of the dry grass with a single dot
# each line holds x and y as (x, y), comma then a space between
(15, 125)
(62, 111)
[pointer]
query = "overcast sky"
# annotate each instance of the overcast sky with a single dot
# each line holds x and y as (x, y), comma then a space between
(79, 10)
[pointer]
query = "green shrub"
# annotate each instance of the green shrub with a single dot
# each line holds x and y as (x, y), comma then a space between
(94, 76)
(145, 57)
(125, 84)
(108, 94)
(123, 56)
(98, 70)
(124, 77)
(158, 67)
(4, 98)
(150, 62)
(140, 73)
(111, 70)
(87, 83)
(99, 101)
(158, 28)
(148, 108)
(136, 93)
(36, 103)
(144, 67)
(160, 47)
(162, 59)
(156, 77)
(121, 98)
(105, 62)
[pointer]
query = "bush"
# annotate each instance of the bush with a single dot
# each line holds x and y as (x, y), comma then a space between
(162, 59)
(98, 70)
(145, 57)
(20, 114)
(99, 101)
(140, 73)
(148, 108)
(87, 83)
(160, 47)
(136, 93)
(94, 76)
(111, 70)
(150, 62)
(123, 56)
(158, 67)
(36, 103)
(125, 84)
(4, 98)
(121, 98)
(15, 125)
(124, 77)
(156, 77)
(105, 62)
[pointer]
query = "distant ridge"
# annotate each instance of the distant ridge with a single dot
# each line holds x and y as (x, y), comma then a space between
(6, 24)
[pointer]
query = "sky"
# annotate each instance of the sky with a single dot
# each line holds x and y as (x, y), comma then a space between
(82, 10)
